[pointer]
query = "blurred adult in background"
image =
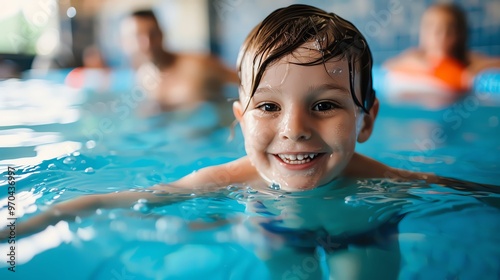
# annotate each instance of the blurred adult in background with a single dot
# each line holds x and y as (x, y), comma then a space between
(442, 68)
(93, 74)
(174, 80)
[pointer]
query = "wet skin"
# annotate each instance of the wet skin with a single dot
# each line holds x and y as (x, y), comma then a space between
(301, 126)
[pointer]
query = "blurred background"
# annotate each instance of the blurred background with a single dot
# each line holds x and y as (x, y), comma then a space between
(53, 34)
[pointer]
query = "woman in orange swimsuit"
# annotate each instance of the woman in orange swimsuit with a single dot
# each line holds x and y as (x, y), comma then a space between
(442, 64)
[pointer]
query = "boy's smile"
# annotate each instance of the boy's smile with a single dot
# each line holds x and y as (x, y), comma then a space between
(301, 125)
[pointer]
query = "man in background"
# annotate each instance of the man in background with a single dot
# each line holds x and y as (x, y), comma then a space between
(173, 80)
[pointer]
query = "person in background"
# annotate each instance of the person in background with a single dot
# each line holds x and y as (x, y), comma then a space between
(173, 80)
(442, 65)
(94, 73)
(301, 120)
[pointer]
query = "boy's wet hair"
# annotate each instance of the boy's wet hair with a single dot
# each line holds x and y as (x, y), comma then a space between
(286, 29)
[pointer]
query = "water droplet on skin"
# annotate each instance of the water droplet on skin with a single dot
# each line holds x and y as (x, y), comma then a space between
(275, 186)
(89, 170)
(142, 200)
(335, 71)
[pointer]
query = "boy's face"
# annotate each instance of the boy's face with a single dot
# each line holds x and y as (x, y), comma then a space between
(301, 126)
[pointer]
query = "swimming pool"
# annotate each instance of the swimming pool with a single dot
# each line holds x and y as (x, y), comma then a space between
(66, 143)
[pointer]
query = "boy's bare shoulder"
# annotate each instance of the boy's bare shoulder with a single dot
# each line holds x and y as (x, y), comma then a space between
(364, 167)
(219, 176)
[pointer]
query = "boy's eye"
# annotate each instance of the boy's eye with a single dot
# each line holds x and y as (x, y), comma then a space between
(324, 106)
(269, 107)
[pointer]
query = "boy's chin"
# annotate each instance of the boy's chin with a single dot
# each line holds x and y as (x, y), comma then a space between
(301, 183)
(294, 185)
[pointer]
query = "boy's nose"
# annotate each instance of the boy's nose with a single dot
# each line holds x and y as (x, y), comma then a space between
(295, 126)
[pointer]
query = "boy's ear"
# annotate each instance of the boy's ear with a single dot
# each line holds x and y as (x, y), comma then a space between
(368, 123)
(238, 111)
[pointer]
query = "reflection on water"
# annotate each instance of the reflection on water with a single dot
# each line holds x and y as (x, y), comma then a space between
(247, 228)
(70, 144)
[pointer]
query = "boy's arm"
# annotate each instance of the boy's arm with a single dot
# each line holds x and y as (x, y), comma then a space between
(81, 206)
(364, 167)
(202, 182)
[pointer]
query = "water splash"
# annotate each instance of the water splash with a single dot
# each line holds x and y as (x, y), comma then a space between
(69, 160)
(142, 206)
(251, 191)
(89, 170)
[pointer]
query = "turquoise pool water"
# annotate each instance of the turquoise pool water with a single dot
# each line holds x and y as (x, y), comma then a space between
(66, 143)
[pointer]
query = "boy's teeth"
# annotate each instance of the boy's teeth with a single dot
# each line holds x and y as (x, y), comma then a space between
(297, 158)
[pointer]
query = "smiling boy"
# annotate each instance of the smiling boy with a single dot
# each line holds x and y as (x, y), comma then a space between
(301, 125)
(306, 98)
